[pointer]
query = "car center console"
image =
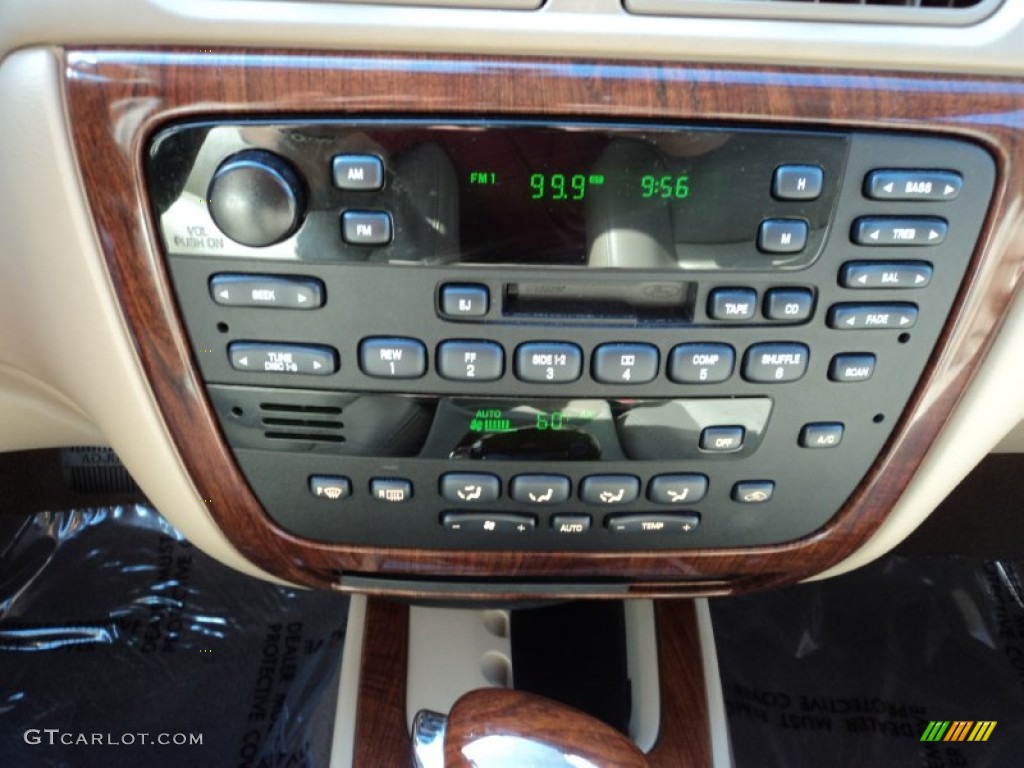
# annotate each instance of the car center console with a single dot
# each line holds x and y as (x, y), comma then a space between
(526, 335)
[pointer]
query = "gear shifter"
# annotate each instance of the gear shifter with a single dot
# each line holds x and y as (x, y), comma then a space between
(500, 728)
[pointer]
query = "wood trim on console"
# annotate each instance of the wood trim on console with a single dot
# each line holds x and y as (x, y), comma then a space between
(382, 738)
(117, 98)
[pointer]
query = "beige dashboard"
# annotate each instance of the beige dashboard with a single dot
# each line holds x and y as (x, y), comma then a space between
(69, 369)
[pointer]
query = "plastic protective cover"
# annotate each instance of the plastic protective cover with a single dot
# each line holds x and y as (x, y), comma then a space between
(117, 635)
(851, 671)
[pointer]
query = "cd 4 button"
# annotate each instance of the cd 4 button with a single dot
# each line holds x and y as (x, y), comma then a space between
(625, 363)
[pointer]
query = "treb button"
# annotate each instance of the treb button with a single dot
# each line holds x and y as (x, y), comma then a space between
(899, 230)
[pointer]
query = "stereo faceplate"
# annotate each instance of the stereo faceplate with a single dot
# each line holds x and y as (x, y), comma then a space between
(590, 388)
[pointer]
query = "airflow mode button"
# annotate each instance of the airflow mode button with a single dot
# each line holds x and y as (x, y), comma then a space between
(265, 357)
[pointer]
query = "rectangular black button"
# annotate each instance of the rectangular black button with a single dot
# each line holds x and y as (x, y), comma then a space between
(366, 227)
(677, 489)
(732, 304)
(753, 491)
(899, 230)
(540, 489)
(884, 274)
(823, 435)
(701, 363)
(852, 366)
(361, 173)
(654, 522)
(393, 491)
(610, 489)
(484, 522)
(470, 360)
(330, 487)
(625, 363)
(722, 439)
(782, 235)
(790, 305)
(548, 362)
(269, 357)
(470, 487)
(775, 362)
(465, 300)
(913, 185)
(855, 317)
(570, 523)
(393, 358)
(267, 291)
(797, 182)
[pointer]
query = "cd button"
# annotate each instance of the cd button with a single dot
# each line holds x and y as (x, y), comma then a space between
(360, 173)
(548, 362)
(540, 489)
(797, 182)
(390, 358)
(701, 363)
(782, 236)
(792, 305)
(735, 304)
(610, 490)
(625, 363)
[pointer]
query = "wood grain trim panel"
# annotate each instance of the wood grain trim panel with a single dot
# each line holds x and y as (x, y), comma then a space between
(116, 98)
(684, 738)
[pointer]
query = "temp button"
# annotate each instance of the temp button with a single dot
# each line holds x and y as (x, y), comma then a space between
(664, 522)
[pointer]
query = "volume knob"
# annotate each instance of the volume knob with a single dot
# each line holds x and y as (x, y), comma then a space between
(256, 198)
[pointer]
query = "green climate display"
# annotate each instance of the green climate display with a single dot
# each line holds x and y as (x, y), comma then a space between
(495, 420)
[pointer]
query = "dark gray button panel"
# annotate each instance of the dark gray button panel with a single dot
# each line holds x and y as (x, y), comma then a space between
(782, 235)
(899, 230)
(540, 489)
(393, 358)
(885, 274)
(488, 522)
(390, 490)
(913, 185)
(267, 291)
(459, 300)
(790, 305)
(852, 367)
(570, 524)
(753, 491)
(797, 182)
(701, 363)
(610, 490)
(774, 363)
(271, 357)
(823, 435)
(470, 487)
(470, 360)
(361, 173)
(677, 489)
(653, 522)
(330, 487)
(733, 304)
(855, 317)
(722, 439)
(366, 227)
(625, 363)
(549, 362)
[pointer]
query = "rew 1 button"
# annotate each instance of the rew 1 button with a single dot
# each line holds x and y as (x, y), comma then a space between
(501, 522)
(291, 359)
(392, 358)
(625, 363)
(775, 362)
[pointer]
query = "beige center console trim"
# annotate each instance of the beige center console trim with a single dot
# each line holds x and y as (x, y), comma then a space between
(64, 350)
